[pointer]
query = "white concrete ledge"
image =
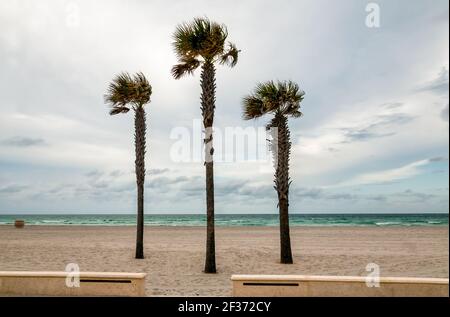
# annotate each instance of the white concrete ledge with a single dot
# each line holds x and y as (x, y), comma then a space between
(335, 286)
(28, 283)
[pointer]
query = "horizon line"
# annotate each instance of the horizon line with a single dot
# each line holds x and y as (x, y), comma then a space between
(204, 214)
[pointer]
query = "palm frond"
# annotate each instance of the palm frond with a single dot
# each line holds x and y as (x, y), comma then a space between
(117, 110)
(292, 97)
(230, 57)
(296, 114)
(269, 93)
(183, 40)
(142, 89)
(283, 96)
(120, 90)
(186, 67)
(253, 107)
(126, 89)
(201, 37)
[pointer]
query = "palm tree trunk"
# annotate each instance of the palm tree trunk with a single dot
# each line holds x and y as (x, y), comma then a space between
(208, 97)
(282, 183)
(139, 142)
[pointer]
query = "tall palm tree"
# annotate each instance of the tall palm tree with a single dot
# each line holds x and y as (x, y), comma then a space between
(127, 92)
(282, 99)
(201, 43)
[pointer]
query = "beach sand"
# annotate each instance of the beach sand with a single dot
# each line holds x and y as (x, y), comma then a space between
(175, 255)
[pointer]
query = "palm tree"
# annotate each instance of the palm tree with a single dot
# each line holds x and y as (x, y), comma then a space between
(281, 99)
(202, 43)
(127, 92)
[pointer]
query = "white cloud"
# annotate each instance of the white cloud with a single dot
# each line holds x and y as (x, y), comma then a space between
(379, 130)
(367, 101)
(387, 176)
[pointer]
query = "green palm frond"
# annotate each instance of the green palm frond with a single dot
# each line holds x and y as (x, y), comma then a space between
(209, 37)
(183, 40)
(253, 107)
(126, 89)
(282, 96)
(198, 41)
(201, 37)
(120, 90)
(269, 94)
(230, 57)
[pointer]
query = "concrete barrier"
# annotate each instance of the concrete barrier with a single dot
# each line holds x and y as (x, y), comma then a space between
(335, 286)
(54, 284)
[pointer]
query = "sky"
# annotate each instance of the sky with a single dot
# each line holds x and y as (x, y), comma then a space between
(373, 137)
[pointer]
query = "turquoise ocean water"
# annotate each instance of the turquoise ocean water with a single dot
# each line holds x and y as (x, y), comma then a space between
(381, 220)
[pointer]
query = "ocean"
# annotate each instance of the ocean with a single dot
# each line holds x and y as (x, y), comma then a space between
(380, 220)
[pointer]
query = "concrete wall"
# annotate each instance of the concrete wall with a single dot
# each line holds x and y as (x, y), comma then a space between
(54, 284)
(335, 286)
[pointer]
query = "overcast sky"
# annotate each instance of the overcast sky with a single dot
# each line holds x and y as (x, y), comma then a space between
(373, 138)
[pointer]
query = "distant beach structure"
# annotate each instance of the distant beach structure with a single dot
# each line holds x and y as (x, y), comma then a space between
(19, 224)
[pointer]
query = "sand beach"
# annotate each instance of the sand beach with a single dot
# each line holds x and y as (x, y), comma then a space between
(174, 255)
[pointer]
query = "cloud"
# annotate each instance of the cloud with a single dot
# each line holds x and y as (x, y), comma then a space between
(23, 141)
(116, 173)
(393, 105)
(439, 85)
(157, 171)
(359, 111)
(438, 159)
(94, 174)
(444, 113)
(390, 175)
(417, 196)
(12, 189)
(377, 198)
(364, 134)
(163, 183)
(382, 122)
(320, 194)
(238, 187)
(305, 193)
